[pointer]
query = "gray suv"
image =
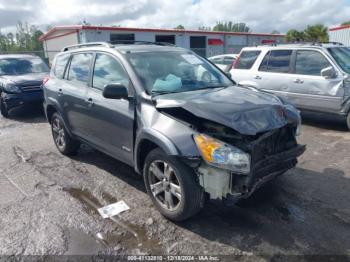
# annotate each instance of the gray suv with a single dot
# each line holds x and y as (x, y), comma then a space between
(313, 77)
(173, 116)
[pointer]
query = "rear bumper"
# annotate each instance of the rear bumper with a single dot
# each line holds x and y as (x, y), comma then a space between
(22, 99)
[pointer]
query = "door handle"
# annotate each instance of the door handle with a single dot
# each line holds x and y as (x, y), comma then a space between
(298, 81)
(60, 92)
(90, 101)
(258, 77)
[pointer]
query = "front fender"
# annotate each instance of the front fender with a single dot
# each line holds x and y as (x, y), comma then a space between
(157, 138)
(249, 83)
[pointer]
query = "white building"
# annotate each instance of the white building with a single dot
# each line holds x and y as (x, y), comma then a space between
(205, 43)
(340, 34)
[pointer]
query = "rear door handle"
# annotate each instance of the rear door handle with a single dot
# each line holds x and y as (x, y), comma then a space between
(258, 77)
(90, 101)
(298, 81)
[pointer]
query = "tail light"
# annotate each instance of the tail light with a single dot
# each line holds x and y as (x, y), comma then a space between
(45, 80)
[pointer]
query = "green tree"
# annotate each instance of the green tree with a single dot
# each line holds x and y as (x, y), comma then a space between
(345, 23)
(204, 28)
(180, 27)
(295, 35)
(26, 39)
(317, 33)
(231, 27)
(275, 32)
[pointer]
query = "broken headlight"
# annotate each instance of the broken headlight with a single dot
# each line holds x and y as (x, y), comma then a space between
(221, 155)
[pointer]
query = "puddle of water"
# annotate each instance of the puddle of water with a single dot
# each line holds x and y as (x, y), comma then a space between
(135, 236)
(82, 244)
(291, 212)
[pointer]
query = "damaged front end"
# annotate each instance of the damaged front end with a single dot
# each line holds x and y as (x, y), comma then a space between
(271, 154)
(233, 164)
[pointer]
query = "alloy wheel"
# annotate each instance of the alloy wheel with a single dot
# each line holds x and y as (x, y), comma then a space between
(58, 133)
(164, 185)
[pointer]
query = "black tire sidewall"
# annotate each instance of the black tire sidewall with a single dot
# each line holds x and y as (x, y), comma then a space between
(71, 146)
(3, 108)
(54, 116)
(348, 121)
(190, 189)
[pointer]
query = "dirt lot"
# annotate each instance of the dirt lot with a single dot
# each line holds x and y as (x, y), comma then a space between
(48, 202)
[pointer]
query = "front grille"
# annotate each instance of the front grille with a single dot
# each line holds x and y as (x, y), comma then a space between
(273, 142)
(33, 88)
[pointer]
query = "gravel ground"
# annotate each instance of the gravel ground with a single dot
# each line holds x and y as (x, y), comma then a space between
(48, 202)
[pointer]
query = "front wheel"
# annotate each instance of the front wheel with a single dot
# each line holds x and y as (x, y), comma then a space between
(64, 143)
(348, 120)
(3, 109)
(172, 186)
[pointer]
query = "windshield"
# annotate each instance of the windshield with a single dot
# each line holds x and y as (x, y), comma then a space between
(342, 56)
(173, 72)
(21, 66)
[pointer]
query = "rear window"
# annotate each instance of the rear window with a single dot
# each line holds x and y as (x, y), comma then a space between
(247, 59)
(60, 65)
(277, 61)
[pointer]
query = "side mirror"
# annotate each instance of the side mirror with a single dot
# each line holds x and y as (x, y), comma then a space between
(115, 91)
(328, 72)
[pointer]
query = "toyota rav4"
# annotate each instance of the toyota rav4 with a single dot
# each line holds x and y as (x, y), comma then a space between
(179, 121)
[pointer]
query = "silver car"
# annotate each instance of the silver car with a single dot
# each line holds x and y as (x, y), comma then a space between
(314, 77)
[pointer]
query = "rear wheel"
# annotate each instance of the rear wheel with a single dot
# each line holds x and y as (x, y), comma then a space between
(64, 143)
(172, 186)
(3, 109)
(348, 120)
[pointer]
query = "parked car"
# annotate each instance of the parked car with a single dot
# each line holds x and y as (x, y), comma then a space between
(21, 77)
(224, 62)
(314, 77)
(189, 134)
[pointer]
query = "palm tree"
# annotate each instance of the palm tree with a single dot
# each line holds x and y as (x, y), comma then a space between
(316, 33)
(295, 35)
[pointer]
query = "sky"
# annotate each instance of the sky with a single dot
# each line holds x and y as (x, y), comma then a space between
(260, 16)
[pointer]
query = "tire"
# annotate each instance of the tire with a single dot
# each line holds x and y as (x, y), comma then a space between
(348, 121)
(181, 183)
(3, 109)
(63, 141)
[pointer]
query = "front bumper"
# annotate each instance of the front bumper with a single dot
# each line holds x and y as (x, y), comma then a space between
(223, 184)
(22, 99)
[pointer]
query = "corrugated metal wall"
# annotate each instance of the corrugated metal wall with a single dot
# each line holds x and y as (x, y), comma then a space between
(340, 35)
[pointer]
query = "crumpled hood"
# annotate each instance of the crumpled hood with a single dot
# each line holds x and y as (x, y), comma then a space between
(22, 80)
(247, 111)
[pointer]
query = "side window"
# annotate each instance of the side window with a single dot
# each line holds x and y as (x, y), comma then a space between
(278, 61)
(310, 63)
(247, 59)
(108, 70)
(60, 65)
(79, 68)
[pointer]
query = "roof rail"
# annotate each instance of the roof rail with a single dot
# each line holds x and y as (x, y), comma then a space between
(105, 44)
(140, 42)
(302, 43)
(334, 43)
